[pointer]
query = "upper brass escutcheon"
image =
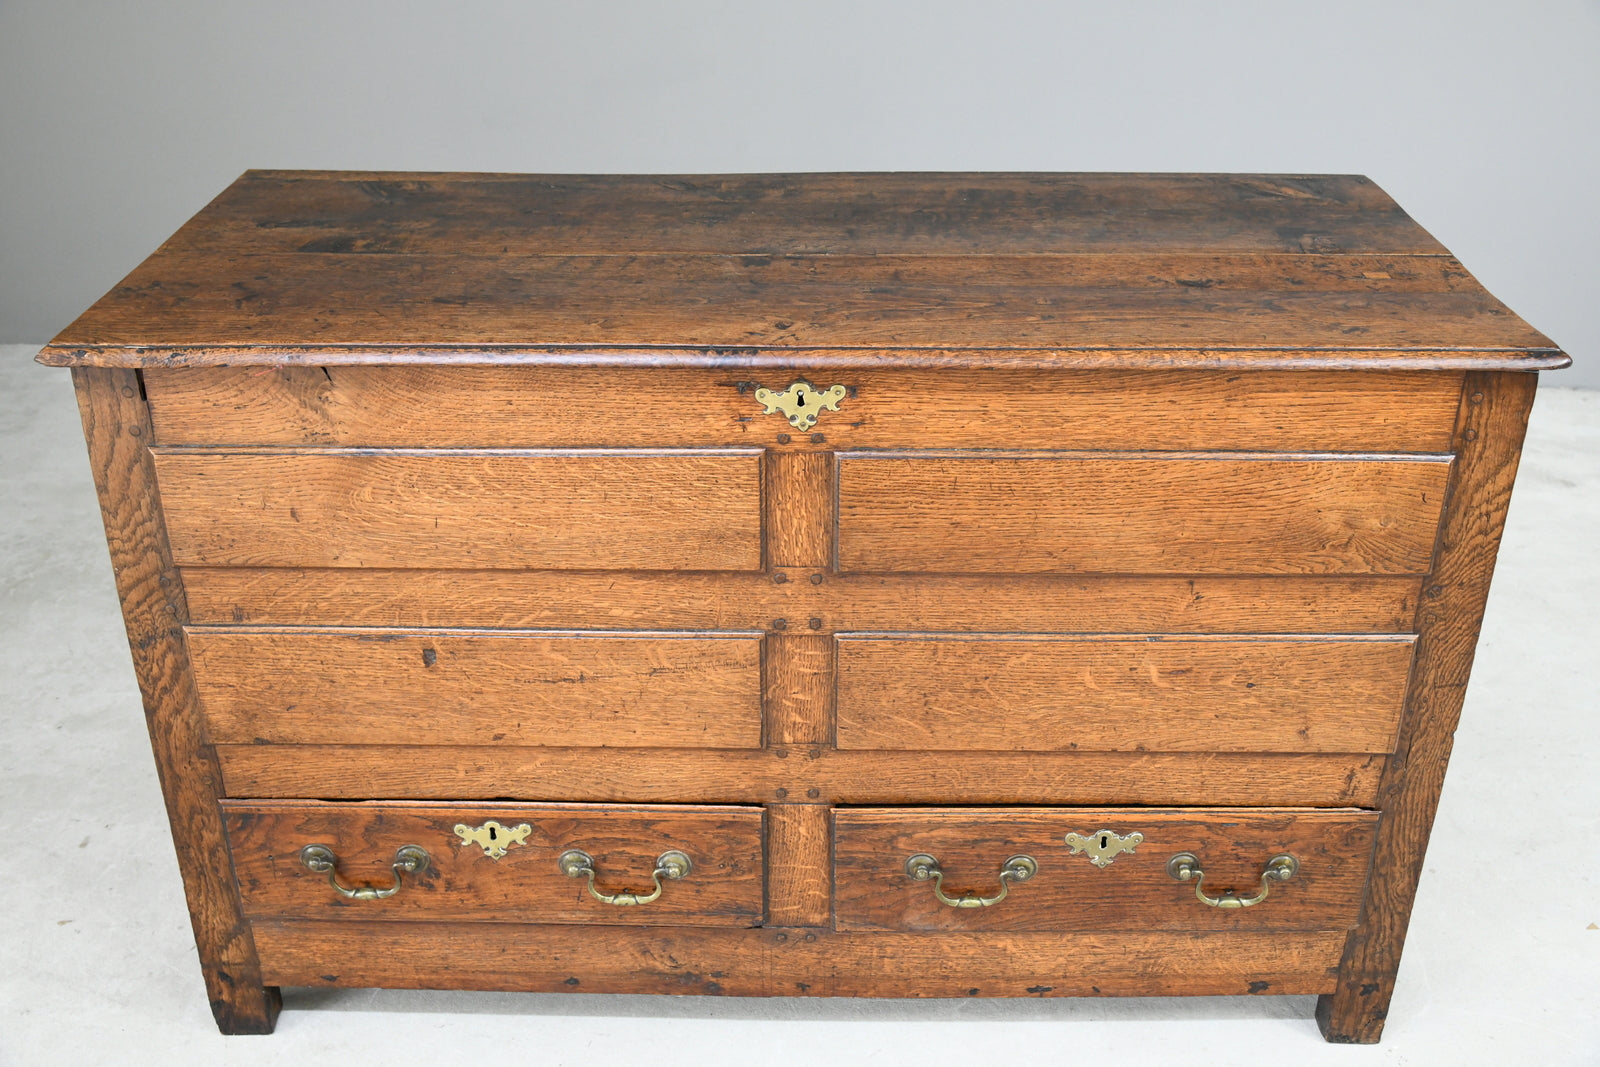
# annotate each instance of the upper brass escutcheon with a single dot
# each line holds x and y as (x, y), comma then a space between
(801, 402)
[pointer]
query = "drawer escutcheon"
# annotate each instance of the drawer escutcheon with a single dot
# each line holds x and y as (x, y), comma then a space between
(1103, 846)
(493, 837)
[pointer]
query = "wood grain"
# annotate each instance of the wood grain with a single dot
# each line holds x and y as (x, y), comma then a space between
(672, 510)
(798, 689)
(202, 300)
(799, 862)
(1089, 270)
(1132, 694)
(525, 885)
(810, 773)
(1138, 513)
(1489, 432)
(733, 601)
(1134, 892)
(478, 688)
(797, 962)
(799, 509)
(564, 407)
(116, 426)
(871, 214)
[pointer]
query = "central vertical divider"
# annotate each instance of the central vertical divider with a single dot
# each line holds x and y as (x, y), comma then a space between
(798, 685)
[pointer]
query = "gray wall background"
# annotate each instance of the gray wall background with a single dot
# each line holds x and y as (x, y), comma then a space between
(119, 120)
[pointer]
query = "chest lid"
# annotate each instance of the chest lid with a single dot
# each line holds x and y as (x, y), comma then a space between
(842, 270)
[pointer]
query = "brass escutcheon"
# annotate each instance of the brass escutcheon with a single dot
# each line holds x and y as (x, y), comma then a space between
(1103, 846)
(493, 837)
(1185, 866)
(801, 402)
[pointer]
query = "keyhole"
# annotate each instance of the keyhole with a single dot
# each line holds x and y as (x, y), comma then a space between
(1104, 840)
(491, 833)
(800, 401)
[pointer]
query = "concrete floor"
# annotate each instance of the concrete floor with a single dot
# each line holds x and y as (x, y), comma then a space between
(97, 964)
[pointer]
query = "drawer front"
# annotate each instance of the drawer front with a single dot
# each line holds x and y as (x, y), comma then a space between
(437, 508)
(408, 687)
(1138, 513)
(1125, 694)
(1132, 891)
(461, 880)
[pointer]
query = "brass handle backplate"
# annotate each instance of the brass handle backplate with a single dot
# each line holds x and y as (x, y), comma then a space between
(924, 868)
(1185, 866)
(408, 859)
(673, 865)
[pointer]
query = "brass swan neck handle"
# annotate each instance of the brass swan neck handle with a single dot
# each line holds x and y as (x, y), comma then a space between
(1185, 866)
(924, 868)
(408, 859)
(671, 865)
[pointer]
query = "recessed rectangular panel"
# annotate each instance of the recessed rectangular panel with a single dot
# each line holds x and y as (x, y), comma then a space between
(297, 687)
(1123, 694)
(1138, 513)
(579, 509)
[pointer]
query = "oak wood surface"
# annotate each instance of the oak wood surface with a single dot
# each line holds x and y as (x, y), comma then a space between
(1489, 430)
(869, 214)
(1155, 693)
(603, 600)
(486, 407)
(796, 962)
(799, 865)
(683, 510)
(799, 688)
(1092, 269)
(724, 886)
(306, 686)
(116, 426)
(1138, 513)
(206, 299)
(1133, 892)
(800, 773)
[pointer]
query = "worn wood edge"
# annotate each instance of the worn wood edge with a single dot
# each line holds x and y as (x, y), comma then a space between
(776, 961)
(789, 774)
(116, 425)
(1462, 359)
(1490, 425)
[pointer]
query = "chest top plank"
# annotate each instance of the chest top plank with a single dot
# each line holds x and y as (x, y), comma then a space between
(940, 269)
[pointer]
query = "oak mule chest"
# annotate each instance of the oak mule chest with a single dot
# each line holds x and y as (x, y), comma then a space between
(931, 585)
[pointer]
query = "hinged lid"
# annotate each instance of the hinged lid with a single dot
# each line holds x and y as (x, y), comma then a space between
(1054, 270)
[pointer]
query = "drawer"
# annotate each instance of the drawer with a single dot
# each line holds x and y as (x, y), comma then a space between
(1037, 693)
(575, 509)
(515, 874)
(1133, 890)
(1138, 513)
(462, 687)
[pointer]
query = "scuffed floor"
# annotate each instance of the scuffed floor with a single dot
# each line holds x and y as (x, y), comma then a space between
(97, 965)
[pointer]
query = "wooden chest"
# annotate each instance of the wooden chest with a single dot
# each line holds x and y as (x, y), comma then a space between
(838, 585)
